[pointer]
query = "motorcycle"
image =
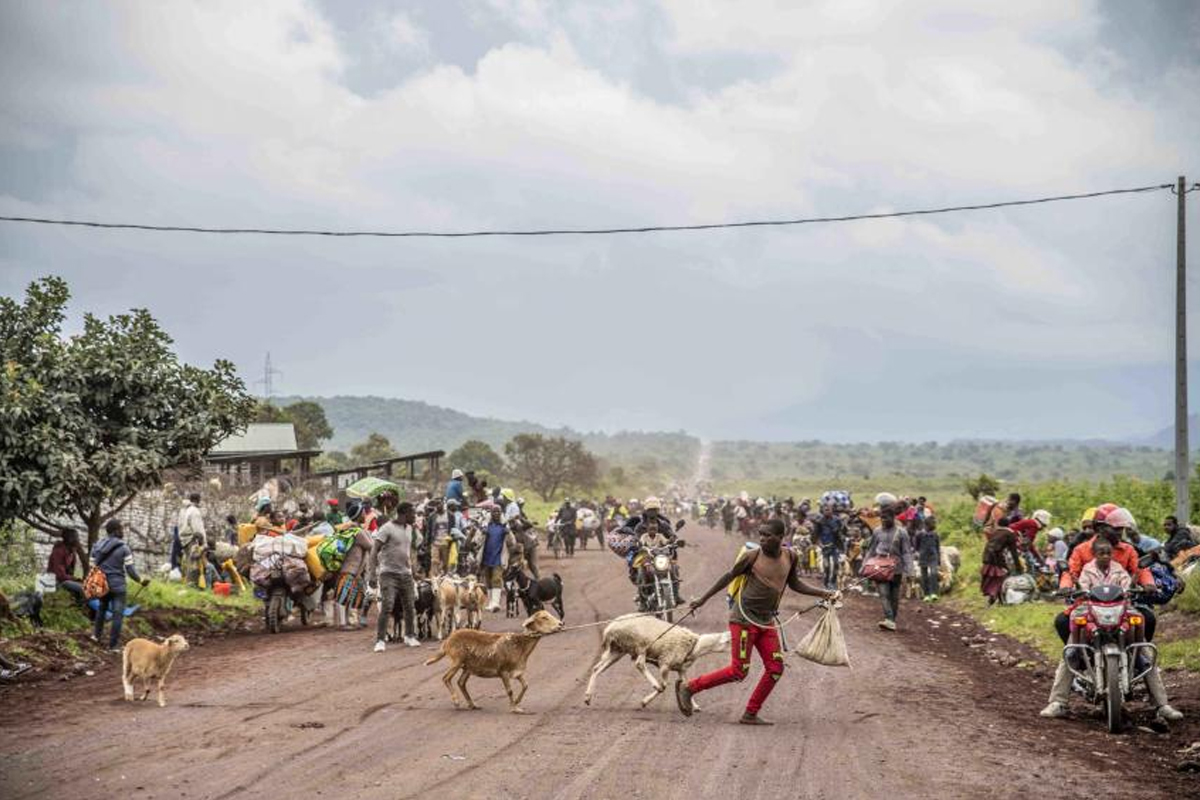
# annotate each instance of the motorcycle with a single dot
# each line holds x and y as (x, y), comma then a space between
(658, 580)
(1110, 660)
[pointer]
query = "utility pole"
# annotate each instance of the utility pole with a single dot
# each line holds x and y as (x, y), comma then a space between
(1182, 469)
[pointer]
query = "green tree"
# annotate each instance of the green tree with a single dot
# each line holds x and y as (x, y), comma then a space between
(376, 447)
(90, 421)
(549, 464)
(478, 456)
(267, 412)
(983, 485)
(312, 427)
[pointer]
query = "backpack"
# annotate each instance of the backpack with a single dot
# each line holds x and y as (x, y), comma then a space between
(95, 584)
(333, 549)
(737, 584)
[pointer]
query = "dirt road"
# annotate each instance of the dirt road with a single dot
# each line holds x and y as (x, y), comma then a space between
(315, 713)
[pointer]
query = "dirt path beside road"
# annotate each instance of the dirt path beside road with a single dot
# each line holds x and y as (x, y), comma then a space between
(314, 713)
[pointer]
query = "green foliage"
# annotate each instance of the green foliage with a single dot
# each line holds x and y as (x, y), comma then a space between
(984, 485)
(375, 447)
(90, 421)
(307, 418)
(477, 456)
(17, 554)
(312, 427)
(1009, 462)
(548, 464)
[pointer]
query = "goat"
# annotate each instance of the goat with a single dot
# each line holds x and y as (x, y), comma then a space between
(447, 589)
(512, 593)
(536, 593)
(636, 636)
(428, 608)
(493, 655)
(473, 598)
(146, 660)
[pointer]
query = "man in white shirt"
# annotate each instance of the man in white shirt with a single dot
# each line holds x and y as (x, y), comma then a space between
(193, 539)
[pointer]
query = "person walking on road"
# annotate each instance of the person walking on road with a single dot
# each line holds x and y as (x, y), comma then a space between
(764, 573)
(829, 534)
(929, 558)
(393, 548)
(114, 558)
(891, 540)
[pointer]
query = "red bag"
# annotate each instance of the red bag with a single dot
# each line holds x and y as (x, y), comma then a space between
(880, 568)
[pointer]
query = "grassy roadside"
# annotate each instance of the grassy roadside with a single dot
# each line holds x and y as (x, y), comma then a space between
(163, 608)
(1178, 636)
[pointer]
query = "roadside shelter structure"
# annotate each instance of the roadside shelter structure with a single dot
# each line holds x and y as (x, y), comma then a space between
(260, 454)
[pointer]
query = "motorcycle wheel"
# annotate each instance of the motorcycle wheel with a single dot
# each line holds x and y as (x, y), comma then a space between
(669, 603)
(1113, 699)
(275, 598)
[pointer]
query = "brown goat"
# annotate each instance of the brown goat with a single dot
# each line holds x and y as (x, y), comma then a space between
(145, 660)
(493, 655)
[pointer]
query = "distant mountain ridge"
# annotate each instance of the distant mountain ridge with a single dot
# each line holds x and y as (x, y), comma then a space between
(413, 426)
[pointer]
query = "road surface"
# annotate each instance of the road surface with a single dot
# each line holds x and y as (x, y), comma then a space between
(315, 713)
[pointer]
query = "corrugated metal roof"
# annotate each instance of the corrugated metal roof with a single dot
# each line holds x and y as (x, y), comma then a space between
(261, 437)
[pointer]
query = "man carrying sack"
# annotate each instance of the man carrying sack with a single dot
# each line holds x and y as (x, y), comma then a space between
(759, 577)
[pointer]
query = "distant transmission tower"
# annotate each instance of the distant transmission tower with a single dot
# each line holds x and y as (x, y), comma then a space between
(267, 379)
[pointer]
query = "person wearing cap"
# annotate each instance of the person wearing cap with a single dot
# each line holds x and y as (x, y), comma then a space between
(333, 514)
(1109, 525)
(262, 516)
(455, 490)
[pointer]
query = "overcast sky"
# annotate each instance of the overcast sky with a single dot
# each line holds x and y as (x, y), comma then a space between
(1050, 321)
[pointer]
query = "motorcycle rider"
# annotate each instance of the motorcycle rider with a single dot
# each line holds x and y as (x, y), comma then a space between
(1179, 538)
(1109, 526)
(566, 525)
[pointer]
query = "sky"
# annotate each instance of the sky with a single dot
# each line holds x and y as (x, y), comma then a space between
(1051, 321)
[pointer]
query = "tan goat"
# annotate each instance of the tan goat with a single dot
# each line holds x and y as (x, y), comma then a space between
(146, 660)
(448, 592)
(494, 655)
(473, 598)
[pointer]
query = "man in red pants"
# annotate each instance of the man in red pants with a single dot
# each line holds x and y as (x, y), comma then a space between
(768, 570)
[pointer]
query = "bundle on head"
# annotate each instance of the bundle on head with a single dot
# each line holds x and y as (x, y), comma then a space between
(493, 655)
(145, 660)
(637, 636)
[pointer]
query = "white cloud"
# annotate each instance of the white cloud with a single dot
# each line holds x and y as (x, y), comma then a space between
(235, 114)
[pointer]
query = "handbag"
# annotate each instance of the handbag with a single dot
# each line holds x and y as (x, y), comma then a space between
(881, 568)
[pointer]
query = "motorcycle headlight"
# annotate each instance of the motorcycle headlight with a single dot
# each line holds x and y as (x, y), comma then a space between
(1107, 615)
(662, 563)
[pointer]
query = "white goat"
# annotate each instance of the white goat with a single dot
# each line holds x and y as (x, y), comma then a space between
(145, 660)
(637, 637)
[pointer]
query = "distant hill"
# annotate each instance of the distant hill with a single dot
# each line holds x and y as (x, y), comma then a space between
(413, 427)
(1165, 438)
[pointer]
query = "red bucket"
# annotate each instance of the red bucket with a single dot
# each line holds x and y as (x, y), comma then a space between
(222, 589)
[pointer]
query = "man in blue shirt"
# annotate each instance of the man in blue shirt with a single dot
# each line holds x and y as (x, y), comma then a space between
(495, 536)
(1142, 543)
(454, 489)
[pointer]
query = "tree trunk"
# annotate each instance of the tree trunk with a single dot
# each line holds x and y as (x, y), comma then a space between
(93, 535)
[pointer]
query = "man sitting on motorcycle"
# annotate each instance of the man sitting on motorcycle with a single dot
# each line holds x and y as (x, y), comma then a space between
(1109, 527)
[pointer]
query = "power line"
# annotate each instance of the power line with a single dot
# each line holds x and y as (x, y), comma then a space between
(578, 231)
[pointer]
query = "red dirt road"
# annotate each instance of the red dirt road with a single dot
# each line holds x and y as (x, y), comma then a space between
(314, 713)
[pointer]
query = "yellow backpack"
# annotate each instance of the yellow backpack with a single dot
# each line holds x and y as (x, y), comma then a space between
(737, 584)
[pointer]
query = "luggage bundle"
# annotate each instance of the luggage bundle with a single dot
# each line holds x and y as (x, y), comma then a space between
(621, 541)
(287, 545)
(332, 550)
(839, 499)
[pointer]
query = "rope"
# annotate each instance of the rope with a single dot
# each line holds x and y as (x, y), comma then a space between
(566, 628)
